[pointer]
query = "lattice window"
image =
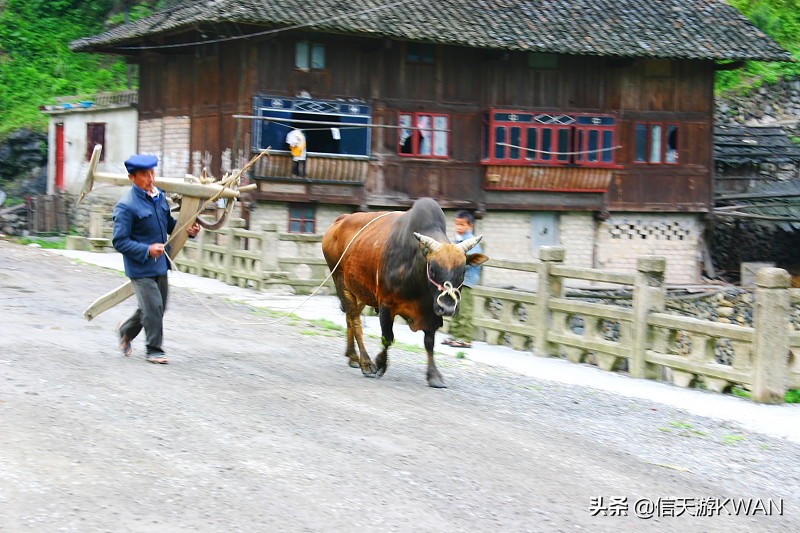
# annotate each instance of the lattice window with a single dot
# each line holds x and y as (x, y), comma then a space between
(638, 230)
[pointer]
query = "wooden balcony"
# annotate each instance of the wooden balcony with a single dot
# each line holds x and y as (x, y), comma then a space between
(329, 179)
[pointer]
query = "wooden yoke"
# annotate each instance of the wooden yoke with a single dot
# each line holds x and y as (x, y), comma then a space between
(192, 192)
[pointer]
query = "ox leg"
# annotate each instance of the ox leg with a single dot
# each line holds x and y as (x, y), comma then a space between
(435, 379)
(387, 338)
(350, 352)
(368, 368)
(350, 308)
(355, 332)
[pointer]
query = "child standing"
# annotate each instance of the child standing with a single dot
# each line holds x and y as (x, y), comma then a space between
(462, 330)
(297, 145)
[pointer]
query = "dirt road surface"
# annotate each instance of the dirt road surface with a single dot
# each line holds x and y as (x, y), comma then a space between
(264, 428)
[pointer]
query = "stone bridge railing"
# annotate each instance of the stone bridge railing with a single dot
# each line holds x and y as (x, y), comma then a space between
(265, 259)
(640, 337)
(643, 338)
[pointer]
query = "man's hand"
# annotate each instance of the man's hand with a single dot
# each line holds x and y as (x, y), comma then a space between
(193, 230)
(156, 250)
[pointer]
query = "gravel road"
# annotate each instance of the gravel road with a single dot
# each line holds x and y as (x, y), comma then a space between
(264, 428)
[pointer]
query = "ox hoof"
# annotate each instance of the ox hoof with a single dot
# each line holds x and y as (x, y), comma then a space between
(369, 371)
(436, 383)
(353, 364)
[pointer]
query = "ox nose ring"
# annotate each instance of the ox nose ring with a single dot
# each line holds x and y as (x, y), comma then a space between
(448, 289)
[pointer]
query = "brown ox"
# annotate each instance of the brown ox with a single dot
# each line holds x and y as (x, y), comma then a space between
(401, 264)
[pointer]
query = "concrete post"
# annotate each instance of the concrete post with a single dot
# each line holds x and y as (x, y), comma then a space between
(269, 247)
(231, 246)
(548, 287)
(648, 296)
(771, 342)
(202, 239)
(96, 222)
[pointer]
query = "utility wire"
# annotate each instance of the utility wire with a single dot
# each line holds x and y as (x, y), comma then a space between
(268, 32)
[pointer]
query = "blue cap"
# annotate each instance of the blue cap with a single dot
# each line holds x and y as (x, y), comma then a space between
(141, 162)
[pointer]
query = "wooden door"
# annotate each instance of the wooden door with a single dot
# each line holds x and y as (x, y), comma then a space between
(59, 157)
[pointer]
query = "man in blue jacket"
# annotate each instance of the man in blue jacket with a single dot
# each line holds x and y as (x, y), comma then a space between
(142, 221)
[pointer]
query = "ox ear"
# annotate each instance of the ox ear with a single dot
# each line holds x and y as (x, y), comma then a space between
(431, 245)
(470, 243)
(476, 259)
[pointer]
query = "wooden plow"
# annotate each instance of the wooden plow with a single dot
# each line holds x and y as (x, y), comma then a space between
(192, 191)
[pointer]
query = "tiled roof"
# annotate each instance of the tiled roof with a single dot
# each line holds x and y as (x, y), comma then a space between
(741, 145)
(691, 29)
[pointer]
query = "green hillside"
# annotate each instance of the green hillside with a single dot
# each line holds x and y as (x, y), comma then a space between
(780, 19)
(36, 64)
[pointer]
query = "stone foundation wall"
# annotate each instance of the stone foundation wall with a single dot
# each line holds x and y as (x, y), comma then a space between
(767, 105)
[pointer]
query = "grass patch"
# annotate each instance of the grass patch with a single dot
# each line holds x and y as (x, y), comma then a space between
(732, 439)
(792, 396)
(740, 392)
(261, 311)
(461, 355)
(413, 348)
(323, 323)
(316, 332)
(685, 429)
(52, 243)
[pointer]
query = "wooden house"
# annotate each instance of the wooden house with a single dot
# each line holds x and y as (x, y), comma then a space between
(747, 156)
(76, 125)
(582, 123)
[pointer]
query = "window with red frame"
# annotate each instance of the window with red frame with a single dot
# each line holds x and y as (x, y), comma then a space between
(424, 135)
(534, 138)
(656, 143)
(302, 218)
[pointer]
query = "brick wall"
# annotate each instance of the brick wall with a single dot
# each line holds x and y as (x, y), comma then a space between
(278, 213)
(577, 235)
(168, 138)
(675, 236)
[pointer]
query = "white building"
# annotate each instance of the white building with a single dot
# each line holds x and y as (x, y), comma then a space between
(76, 126)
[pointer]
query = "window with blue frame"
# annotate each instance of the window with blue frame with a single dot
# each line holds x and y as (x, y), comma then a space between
(331, 127)
(536, 138)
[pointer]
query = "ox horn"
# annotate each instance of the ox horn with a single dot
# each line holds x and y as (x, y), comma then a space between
(470, 243)
(430, 243)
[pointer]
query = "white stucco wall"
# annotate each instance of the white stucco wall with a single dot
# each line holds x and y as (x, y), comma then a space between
(613, 244)
(278, 213)
(624, 236)
(120, 133)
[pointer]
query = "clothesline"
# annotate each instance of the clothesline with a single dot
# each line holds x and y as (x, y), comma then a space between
(583, 152)
(340, 125)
